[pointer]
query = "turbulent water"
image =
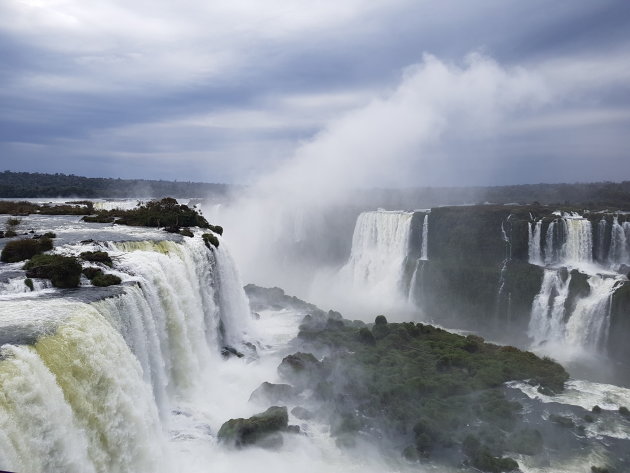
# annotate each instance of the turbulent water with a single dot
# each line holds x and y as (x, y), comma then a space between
(86, 386)
(131, 378)
(564, 327)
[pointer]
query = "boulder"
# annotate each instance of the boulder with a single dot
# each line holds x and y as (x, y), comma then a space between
(301, 368)
(273, 393)
(262, 429)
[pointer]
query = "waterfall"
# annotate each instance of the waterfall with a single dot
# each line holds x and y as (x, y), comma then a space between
(619, 252)
(508, 256)
(589, 323)
(550, 253)
(586, 326)
(578, 245)
(86, 386)
(380, 246)
(424, 255)
(601, 256)
(418, 270)
(548, 309)
(535, 243)
(76, 401)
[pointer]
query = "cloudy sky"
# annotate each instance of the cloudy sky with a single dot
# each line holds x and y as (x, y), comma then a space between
(378, 92)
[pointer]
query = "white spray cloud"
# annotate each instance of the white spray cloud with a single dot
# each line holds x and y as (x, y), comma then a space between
(379, 144)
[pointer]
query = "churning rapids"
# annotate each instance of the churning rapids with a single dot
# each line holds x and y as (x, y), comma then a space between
(131, 378)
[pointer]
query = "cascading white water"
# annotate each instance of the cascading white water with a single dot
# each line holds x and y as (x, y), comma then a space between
(548, 309)
(96, 376)
(424, 255)
(419, 267)
(380, 246)
(589, 323)
(76, 401)
(535, 243)
(601, 241)
(578, 244)
(619, 240)
(550, 251)
(569, 243)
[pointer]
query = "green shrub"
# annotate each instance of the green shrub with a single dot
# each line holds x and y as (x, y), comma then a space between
(99, 219)
(63, 271)
(366, 336)
(20, 250)
(29, 283)
(91, 272)
(380, 320)
(210, 239)
(97, 257)
(104, 280)
(216, 229)
(13, 222)
(10, 234)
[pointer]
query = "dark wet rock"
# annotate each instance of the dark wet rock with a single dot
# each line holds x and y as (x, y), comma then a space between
(262, 429)
(302, 413)
(28, 282)
(228, 351)
(273, 393)
(274, 298)
(300, 367)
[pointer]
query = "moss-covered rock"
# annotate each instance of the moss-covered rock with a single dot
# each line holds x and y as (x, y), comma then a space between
(210, 239)
(273, 393)
(91, 272)
(261, 429)
(28, 282)
(300, 367)
(63, 271)
(97, 257)
(218, 229)
(20, 250)
(422, 382)
(104, 280)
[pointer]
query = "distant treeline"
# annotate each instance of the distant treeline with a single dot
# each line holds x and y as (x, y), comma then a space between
(599, 194)
(611, 195)
(24, 184)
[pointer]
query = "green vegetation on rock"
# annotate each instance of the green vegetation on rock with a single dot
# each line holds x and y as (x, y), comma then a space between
(262, 429)
(210, 239)
(97, 257)
(104, 280)
(166, 212)
(20, 250)
(63, 271)
(432, 387)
